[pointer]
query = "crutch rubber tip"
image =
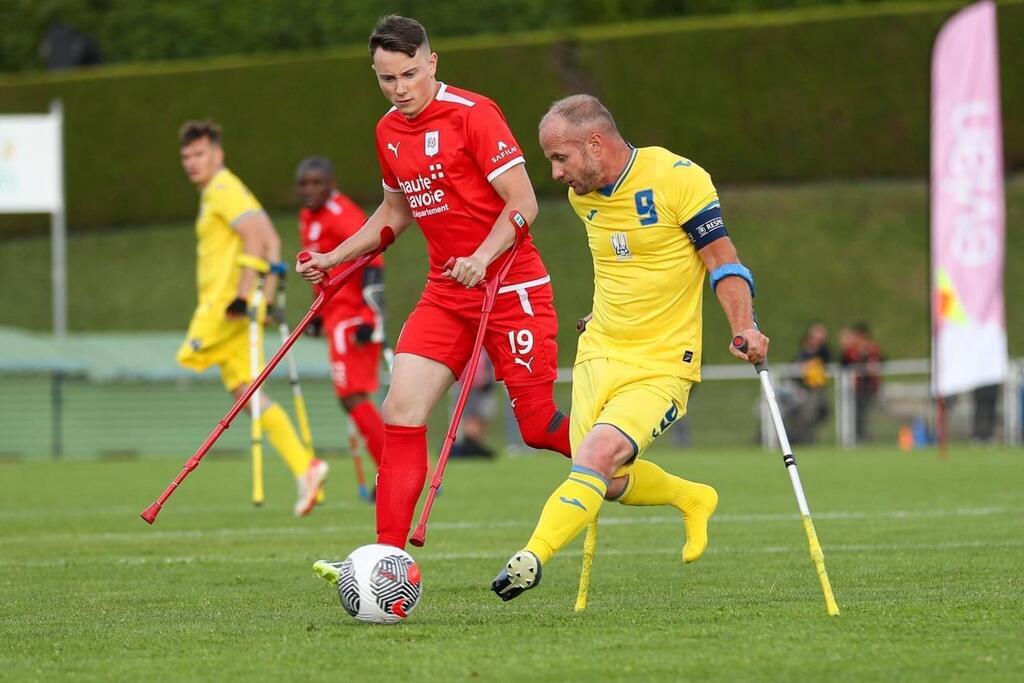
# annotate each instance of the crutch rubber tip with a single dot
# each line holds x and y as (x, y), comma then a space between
(418, 538)
(150, 513)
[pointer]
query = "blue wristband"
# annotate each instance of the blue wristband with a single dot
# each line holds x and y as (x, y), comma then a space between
(732, 270)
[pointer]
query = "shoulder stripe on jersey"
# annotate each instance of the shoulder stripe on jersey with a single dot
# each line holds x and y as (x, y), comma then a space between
(388, 187)
(444, 96)
(504, 167)
(334, 207)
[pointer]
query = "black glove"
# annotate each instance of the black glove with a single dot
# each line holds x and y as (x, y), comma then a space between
(276, 314)
(364, 333)
(236, 308)
(316, 327)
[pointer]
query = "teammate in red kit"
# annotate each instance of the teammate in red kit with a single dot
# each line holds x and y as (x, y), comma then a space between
(450, 162)
(353, 320)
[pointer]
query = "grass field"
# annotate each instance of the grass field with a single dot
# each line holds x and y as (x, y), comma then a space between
(925, 556)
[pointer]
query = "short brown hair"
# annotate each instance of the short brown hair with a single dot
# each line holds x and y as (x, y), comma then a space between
(195, 130)
(398, 34)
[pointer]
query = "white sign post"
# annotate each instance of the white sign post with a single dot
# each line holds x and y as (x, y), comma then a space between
(32, 181)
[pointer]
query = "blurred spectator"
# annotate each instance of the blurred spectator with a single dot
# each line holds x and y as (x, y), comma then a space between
(983, 425)
(478, 413)
(64, 47)
(809, 407)
(862, 355)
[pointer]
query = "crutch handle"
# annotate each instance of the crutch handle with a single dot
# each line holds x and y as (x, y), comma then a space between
(739, 342)
(303, 257)
(387, 238)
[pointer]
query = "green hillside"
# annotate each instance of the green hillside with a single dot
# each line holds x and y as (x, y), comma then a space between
(838, 252)
(796, 96)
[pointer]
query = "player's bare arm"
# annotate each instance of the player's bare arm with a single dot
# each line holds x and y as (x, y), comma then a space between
(514, 187)
(393, 211)
(259, 239)
(736, 299)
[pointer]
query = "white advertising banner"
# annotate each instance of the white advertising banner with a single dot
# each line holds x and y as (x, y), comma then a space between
(31, 173)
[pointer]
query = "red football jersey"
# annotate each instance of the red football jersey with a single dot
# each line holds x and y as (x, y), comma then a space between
(323, 230)
(444, 160)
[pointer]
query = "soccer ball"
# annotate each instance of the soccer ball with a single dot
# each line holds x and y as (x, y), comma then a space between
(379, 584)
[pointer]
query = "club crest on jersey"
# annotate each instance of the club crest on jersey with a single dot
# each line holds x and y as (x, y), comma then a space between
(622, 252)
(431, 143)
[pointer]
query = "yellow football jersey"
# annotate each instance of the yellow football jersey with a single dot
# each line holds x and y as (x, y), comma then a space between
(648, 277)
(222, 203)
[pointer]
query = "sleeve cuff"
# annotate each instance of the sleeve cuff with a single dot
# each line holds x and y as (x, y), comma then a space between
(504, 167)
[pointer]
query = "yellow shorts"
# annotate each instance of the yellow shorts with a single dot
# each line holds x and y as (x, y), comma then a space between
(216, 340)
(640, 403)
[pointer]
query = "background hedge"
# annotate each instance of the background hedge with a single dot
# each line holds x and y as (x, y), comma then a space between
(134, 30)
(782, 96)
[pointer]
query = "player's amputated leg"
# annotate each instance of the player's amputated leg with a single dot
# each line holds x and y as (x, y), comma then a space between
(649, 484)
(541, 424)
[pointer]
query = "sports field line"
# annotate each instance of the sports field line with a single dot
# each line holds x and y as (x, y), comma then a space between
(229, 532)
(133, 560)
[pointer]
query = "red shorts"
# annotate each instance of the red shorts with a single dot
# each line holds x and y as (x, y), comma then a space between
(521, 337)
(354, 367)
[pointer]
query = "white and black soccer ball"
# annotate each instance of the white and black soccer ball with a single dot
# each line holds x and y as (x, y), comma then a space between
(379, 584)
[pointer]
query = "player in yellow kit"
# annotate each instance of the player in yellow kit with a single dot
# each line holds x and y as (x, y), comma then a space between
(231, 223)
(655, 230)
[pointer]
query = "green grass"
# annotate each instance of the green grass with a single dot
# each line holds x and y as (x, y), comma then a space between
(839, 252)
(925, 557)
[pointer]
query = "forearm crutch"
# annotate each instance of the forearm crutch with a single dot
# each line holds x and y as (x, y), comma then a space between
(490, 292)
(327, 291)
(817, 555)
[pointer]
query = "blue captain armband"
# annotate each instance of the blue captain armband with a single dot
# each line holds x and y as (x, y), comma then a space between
(706, 227)
(732, 270)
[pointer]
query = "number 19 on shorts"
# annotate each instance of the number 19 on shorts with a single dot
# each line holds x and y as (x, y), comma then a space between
(521, 341)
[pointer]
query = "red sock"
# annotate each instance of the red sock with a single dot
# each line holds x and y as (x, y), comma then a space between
(400, 480)
(541, 423)
(370, 425)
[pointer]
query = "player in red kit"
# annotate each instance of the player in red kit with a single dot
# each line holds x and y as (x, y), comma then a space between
(450, 162)
(353, 320)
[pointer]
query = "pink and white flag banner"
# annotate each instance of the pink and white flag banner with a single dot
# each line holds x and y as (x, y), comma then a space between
(968, 209)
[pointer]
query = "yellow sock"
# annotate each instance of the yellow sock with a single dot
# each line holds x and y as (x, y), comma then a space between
(278, 428)
(569, 509)
(650, 485)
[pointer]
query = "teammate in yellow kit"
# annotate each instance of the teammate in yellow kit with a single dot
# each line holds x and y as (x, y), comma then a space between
(655, 230)
(231, 223)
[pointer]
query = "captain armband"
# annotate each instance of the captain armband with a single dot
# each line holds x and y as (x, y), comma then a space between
(706, 227)
(733, 270)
